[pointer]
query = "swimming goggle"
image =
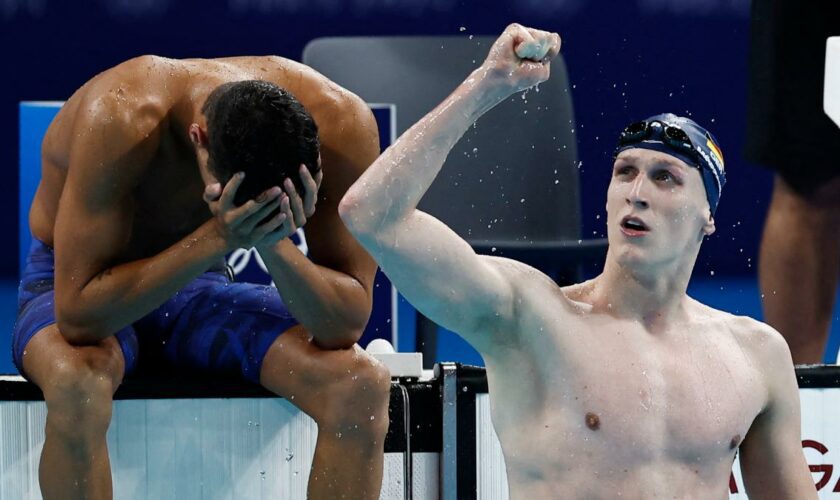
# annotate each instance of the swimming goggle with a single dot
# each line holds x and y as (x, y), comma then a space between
(671, 135)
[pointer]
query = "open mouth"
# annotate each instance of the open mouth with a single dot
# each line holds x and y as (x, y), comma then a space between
(634, 225)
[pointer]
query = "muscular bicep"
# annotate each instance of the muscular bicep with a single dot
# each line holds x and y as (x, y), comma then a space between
(90, 231)
(772, 462)
(442, 276)
(95, 211)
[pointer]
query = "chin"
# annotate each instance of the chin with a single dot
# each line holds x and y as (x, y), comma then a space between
(631, 255)
(635, 256)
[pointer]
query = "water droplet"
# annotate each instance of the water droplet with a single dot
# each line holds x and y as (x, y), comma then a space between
(462, 29)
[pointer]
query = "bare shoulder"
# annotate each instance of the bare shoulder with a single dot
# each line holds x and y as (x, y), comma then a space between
(126, 102)
(343, 118)
(765, 342)
(530, 285)
(333, 107)
(520, 274)
(111, 127)
(767, 348)
(340, 114)
(141, 90)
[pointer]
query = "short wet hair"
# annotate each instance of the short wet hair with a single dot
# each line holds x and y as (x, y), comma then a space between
(261, 129)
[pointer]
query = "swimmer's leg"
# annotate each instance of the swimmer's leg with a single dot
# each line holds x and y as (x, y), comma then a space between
(346, 392)
(799, 264)
(78, 383)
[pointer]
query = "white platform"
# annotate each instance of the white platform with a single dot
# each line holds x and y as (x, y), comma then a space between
(261, 448)
(189, 449)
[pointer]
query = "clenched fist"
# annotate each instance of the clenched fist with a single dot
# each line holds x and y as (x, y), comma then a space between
(521, 57)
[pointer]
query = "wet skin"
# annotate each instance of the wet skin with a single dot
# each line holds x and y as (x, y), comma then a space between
(122, 200)
(621, 386)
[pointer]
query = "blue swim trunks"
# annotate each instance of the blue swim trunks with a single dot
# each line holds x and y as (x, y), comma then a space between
(212, 324)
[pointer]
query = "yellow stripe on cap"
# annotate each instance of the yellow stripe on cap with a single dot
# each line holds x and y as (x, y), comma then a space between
(715, 150)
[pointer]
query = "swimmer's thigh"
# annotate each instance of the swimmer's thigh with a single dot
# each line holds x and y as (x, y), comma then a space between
(57, 367)
(324, 383)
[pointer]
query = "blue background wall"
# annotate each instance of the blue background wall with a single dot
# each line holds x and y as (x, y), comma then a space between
(627, 60)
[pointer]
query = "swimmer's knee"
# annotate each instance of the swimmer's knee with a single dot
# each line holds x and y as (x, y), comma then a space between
(83, 383)
(358, 396)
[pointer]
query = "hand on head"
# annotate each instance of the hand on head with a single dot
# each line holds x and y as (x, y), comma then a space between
(521, 57)
(271, 217)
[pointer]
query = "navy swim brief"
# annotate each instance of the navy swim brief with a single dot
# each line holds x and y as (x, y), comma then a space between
(212, 324)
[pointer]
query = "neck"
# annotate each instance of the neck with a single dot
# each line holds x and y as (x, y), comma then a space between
(187, 110)
(653, 295)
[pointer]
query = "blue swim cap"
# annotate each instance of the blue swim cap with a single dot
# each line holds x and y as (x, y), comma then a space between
(684, 139)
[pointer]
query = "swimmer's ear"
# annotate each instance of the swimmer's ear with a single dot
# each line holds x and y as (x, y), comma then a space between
(198, 136)
(709, 226)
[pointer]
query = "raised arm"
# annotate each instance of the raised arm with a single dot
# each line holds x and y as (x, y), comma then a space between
(772, 462)
(431, 265)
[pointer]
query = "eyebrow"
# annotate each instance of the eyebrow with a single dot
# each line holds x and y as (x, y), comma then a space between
(670, 161)
(675, 164)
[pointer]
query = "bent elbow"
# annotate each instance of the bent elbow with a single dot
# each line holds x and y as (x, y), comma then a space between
(367, 222)
(350, 210)
(78, 336)
(337, 340)
(77, 332)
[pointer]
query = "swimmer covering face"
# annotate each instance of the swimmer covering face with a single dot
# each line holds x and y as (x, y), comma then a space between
(260, 129)
(141, 197)
(683, 383)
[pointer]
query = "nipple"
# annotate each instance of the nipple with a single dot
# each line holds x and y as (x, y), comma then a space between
(592, 421)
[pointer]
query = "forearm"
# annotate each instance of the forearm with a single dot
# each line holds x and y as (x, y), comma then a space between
(393, 186)
(124, 293)
(333, 306)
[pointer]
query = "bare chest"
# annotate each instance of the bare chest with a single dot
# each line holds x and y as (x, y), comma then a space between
(610, 393)
(680, 406)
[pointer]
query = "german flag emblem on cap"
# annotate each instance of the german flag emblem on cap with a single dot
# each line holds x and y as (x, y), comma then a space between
(715, 150)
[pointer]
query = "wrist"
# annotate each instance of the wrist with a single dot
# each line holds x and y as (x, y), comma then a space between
(484, 88)
(275, 249)
(212, 235)
(492, 83)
